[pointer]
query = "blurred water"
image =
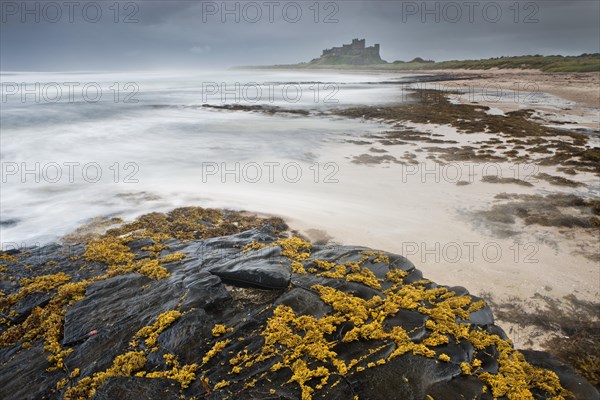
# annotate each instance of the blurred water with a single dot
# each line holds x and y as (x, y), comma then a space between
(160, 140)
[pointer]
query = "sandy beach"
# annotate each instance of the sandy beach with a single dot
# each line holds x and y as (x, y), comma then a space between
(438, 220)
(581, 88)
(578, 91)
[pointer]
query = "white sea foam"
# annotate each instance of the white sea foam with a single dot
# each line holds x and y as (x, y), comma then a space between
(164, 137)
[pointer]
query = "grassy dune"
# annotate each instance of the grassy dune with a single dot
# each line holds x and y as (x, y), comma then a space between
(582, 63)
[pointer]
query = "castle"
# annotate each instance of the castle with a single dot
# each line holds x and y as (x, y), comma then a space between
(355, 53)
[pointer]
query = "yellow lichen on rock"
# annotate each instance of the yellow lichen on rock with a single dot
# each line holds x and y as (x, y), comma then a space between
(338, 272)
(302, 374)
(38, 284)
(304, 345)
(297, 268)
(108, 250)
(134, 361)
(123, 365)
(294, 248)
(379, 257)
(114, 252)
(151, 268)
(351, 271)
(151, 333)
(178, 256)
(516, 377)
(219, 330)
(396, 276)
(42, 283)
(221, 385)
(254, 246)
(216, 349)
(351, 307)
(185, 374)
(240, 358)
(47, 323)
(364, 276)
(146, 266)
(295, 338)
(6, 258)
(62, 383)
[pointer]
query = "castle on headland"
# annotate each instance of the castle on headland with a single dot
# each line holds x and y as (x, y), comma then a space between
(355, 53)
(356, 48)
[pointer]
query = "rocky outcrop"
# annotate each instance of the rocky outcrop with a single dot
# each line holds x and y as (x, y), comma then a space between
(254, 315)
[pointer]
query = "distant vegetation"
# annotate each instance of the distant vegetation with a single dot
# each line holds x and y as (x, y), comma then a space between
(354, 61)
(418, 60)
(582, 63)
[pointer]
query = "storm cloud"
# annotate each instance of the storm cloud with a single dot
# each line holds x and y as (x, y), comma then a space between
(88, 35)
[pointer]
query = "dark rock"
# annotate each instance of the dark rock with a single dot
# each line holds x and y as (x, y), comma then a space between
(132, 388)
(458, 290)
(102, 348)
(203, 290)
(185, 335)
(136, 300)
(221, 283)
(459, 388)
(405, 377)
(265, 270)
(458, 352)
(304, 302)
(488, 358)
(342, 390)
(222, 250)
(581, 388)
(496, 330)
(6, 286)
(483, 316)
(23, 307)
(24, 376)
(413, 276)
(411, 321)
(123, 300)
(136, 245)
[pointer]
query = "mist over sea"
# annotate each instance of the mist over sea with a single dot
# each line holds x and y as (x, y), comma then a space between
(80, 145)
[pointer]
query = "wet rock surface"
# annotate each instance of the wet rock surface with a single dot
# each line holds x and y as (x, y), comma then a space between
(255, 316)
(269, 270)
(138, 388)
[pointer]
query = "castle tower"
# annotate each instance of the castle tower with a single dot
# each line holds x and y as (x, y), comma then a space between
(358, 44)
(355, 53)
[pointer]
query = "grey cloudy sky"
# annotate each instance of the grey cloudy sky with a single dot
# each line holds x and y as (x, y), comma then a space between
(82, 35)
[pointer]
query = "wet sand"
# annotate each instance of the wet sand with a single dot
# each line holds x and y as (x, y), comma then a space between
(581, 88)
(577, 94)
(416, 208)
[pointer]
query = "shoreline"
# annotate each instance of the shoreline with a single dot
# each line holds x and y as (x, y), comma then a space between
(551, 82)
(373, 206)
(579, 88)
